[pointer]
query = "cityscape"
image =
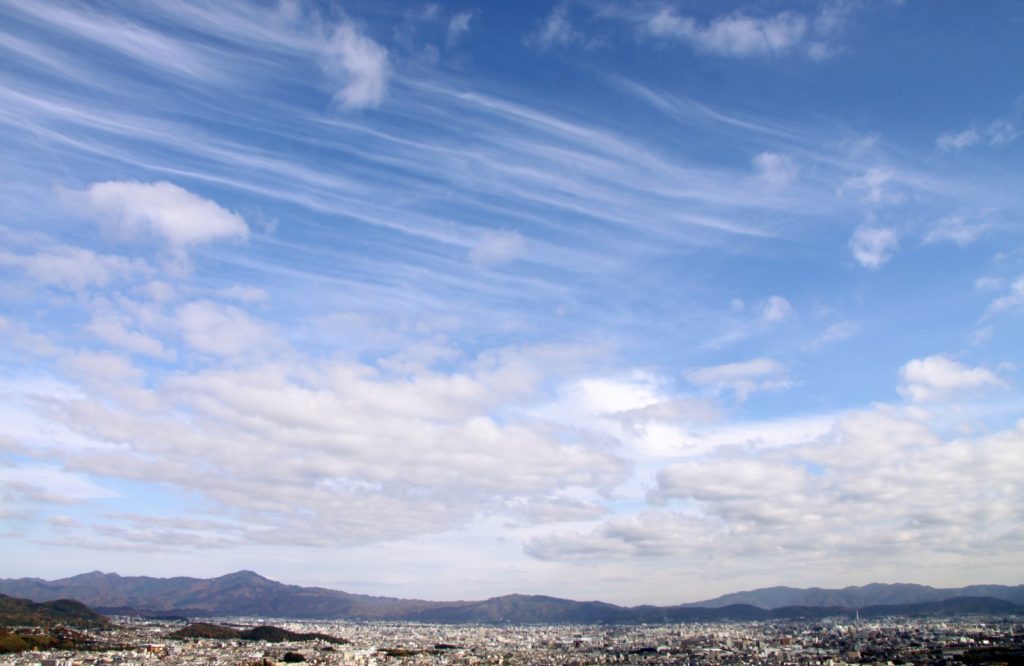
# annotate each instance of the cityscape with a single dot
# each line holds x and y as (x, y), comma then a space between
(987, 640)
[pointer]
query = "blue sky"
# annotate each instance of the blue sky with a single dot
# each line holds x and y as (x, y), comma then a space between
(640, 301)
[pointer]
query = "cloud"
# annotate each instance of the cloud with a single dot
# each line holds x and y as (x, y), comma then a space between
(103, 367)
(735, 36)
(873, 186)
(340, 452)
(775, 310)
(835, 332)
(729, 481)
(75, 268)
(1002, 132)
(359, 64)
(111, 328)
(774, 170)
(872, 246)
(244, 294)
(497, 247)
(759, 374)
(458, 26)
(957, 141)
(47, 483)
(556, 29)
(999, 132)
(937, 378)
(222, 330)
(879, 482)
(956, 230)
(160, 209)
(1011, 300)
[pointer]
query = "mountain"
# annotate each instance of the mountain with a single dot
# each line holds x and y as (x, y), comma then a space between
(16, 612)
(861, 596)
(240, 593)
(248, 593)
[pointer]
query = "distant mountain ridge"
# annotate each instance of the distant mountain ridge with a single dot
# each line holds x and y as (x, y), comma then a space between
(248, 593)
(873, 594)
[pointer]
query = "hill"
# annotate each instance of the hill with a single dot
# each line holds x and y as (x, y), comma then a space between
(261, 633)
(16, 612)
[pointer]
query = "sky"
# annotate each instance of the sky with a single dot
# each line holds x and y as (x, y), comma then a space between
(636, 301)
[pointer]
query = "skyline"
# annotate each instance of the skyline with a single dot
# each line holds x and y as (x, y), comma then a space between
(643, 301)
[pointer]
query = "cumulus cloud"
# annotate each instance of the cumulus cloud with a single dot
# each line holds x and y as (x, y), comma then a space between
(956, 229)
(744, 378)
(341, 452)
(999, 132)
(774, 170)
(1013, 299)
(74, 268)
(937, 378)
(359, 64)
(160, 209)
(958, 140)
(873, 246)
(874, 186)
(878, 482)
(735, 35)
(835, 333)
(556, 29)
(244, 294)
(47, 483)
(222, 330)
(775, 310)
(113, 329)
(497, 247)
(458, 25)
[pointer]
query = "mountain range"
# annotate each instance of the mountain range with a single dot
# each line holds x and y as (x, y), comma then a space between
(248, 593)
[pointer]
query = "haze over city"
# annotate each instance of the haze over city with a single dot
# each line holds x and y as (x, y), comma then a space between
(646, 302)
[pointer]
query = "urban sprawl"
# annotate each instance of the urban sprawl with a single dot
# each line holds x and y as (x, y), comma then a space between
(140, 642)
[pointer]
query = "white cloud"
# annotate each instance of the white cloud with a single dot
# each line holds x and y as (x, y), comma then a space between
(1002, 132)
(774, 170)
(74, 268)
(1011, 300)
(359, 64)
(989, 283)
(836, 332)
(244, 294)
(775, 310)
(111, 328)
(880, 481)
(222, 330)
(736, 35)
(103, 367)
(159, 209)
(458, 26)
(999, 132)
(873, 246)
(938, 378)
(759, 374)
(46, 483)
(344, 453)
(874, 186)
(497, 247)
(556, 30)
(956, 230)
(957, 141)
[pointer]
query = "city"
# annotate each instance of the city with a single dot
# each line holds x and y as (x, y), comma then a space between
(965, 640)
